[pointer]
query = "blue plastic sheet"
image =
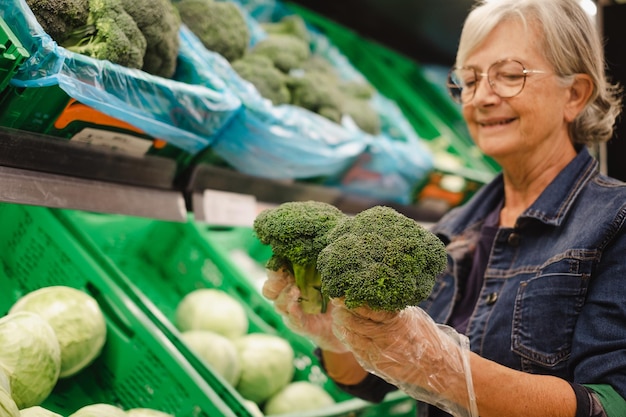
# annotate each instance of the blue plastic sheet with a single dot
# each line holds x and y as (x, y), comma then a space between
(394, 162)
(187, 116)
(278, 142)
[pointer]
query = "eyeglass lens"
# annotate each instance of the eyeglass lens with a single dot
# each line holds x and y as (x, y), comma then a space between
(506, 79)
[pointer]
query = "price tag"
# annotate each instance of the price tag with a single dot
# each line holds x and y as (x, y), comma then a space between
(229, 209)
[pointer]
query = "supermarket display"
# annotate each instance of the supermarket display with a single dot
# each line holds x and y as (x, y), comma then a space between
(159, 263)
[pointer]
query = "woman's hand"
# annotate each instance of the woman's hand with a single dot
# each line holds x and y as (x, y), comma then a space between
(429, 362)
(281, 288)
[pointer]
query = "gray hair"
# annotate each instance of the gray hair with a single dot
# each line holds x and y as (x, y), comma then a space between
(571, 43)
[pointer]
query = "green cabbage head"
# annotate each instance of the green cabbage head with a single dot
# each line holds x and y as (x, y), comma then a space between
(30, 356)
(298, 396)
(218, 351)
(76, 319)
(266, 365)
(38, 411)
(99, 410)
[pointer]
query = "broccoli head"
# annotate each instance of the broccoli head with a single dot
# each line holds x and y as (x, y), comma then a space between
(268, 80)
(297, 232)
(287, 52)
(159, 23)
(60, 17)
(318, 92)
(289, 25)
(110, 34)
(220, 26)
(380, 259)
(363, 114)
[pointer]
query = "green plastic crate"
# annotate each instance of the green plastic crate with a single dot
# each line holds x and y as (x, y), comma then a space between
(12, 54)
(161, 262)
(139, 366)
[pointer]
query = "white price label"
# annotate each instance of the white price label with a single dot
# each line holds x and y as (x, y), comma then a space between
(229, 209)
(128, 144)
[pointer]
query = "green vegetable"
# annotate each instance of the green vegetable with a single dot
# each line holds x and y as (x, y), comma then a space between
(146, 412)
(363, 114)
(37, 411)
(8, 407)
(30, 356)
(253, 408)
(77, 321)
(60, 17)
(110, 34)
(317, 91)
(270, 82)
(296, 397)
(214, 310)
(289, 25)
(266, 365)
(297, 231)
(287, 52)
(380, 259)
(220, 25)
(159, 22)
(218, 351)
(99, 410)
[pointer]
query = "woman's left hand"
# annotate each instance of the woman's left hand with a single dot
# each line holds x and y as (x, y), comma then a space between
(429, 362)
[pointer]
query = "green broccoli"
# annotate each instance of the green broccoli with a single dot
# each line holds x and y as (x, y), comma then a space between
(288, 25)
(297, 232)
(220, 26)
(110, 33)
(363, 114)
(159, 23)
(380, 259)
(287, 52)
(318, 92)
(268, 80)
(60, 17)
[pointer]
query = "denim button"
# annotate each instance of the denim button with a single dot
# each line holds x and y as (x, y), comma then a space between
(513, 239)
(491, 298)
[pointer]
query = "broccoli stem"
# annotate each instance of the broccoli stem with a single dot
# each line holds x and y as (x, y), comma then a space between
(309, 281)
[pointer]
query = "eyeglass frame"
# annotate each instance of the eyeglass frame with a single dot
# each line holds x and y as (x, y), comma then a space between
(480, 75)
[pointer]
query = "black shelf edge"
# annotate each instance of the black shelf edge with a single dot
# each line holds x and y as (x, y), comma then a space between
(49, 154)
(204, 177)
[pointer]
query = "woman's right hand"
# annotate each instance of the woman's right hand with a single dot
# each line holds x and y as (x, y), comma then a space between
(281, 288)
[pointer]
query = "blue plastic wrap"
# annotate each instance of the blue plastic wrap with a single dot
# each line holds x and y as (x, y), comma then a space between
(278, 142)
(187, 116)
(395, 161)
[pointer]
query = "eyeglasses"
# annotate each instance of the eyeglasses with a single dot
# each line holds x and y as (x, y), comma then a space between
(506, 78)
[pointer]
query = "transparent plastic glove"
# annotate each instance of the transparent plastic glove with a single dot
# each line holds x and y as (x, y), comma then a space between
(281, 288)
(429, 362)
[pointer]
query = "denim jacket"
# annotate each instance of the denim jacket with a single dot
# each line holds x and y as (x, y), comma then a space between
(553, 300)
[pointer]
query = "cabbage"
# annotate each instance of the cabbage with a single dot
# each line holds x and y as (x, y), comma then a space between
(76, 319)
(146, 412)
(31, 357)
(253, 408)
(37, 411)
(297, 397)
(99, 410)
(266, 365)
(214, 310)
(8, 408)
(218, 351)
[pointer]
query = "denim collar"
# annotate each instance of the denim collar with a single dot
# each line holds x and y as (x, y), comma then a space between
(550, 207)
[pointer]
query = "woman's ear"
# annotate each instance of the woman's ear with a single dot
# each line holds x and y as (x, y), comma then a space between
(579, 93)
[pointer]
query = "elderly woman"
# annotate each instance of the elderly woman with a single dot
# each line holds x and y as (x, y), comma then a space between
(529, 318)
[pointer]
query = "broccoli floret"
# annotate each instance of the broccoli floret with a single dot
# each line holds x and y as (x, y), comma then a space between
(288, 25)
(380, 259)
(110, 33)
(363, 114)
(318, 92)
(159, 22)
(220, 26)
(60, 17)
(287, 52)
(268, 80)
(297, 232)
(358, 89)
